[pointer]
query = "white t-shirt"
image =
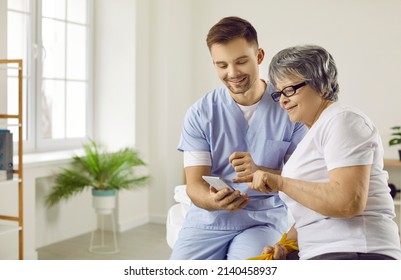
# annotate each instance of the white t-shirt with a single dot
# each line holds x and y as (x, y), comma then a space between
(343, 136)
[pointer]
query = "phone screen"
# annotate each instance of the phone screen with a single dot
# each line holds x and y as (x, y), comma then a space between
(217, 182)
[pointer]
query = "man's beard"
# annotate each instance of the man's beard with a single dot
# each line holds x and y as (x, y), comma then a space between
(239, 90)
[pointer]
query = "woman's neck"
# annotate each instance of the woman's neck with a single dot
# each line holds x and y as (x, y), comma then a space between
(323, 105)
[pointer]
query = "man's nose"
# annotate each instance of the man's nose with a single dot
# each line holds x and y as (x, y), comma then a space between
(233, 71)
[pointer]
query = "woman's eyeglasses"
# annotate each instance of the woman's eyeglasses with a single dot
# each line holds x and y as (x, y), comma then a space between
(287, 91)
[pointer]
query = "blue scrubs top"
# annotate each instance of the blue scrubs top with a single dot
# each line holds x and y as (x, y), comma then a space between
(216, 124)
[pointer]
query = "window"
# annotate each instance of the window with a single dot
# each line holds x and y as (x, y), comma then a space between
(53, 39)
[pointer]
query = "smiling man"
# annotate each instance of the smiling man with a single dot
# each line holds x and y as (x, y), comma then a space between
(231, 132)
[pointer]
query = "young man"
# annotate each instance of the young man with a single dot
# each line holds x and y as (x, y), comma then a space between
(233, 131)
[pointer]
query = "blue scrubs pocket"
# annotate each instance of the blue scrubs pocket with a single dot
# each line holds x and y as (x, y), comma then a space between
(273, 155)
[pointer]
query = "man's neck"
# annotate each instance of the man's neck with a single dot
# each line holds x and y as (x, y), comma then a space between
(253, 95)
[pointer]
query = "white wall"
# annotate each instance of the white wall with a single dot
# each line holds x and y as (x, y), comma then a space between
(170, 80)
(114, 94)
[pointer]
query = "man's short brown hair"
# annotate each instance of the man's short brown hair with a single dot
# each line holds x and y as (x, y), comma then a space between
(230, 28)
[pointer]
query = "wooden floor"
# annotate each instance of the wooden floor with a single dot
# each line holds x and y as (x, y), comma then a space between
(147, 242)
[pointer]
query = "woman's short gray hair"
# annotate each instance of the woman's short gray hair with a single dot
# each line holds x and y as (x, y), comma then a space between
(311, 63)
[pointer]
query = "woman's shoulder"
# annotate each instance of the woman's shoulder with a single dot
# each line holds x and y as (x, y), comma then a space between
(339, 111)
(347, 120)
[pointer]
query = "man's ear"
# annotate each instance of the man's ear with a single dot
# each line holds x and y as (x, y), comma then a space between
(261, 55)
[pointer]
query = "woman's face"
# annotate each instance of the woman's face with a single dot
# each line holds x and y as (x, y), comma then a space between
(304, 105)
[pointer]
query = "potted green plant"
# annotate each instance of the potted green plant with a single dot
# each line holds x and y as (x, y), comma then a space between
(104, 172)
(396, 138)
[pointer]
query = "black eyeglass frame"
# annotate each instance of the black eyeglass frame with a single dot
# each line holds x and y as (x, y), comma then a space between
(277, 94)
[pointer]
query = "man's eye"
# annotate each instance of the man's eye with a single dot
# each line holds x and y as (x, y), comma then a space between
(242, 61)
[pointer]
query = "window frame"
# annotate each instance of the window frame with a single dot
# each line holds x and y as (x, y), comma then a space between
(34, 142)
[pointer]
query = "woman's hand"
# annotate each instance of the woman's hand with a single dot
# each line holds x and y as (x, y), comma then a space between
(279, 251)
(261, 181)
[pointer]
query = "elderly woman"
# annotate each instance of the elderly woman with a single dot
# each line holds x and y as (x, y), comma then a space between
(334, 183)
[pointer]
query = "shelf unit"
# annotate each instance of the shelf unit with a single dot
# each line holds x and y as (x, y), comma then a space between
(15, 223)
(394, 163)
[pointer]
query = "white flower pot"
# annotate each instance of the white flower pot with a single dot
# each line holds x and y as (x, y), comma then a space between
(104, 201)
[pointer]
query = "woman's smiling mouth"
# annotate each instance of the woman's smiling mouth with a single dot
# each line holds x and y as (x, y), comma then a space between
(290, 109)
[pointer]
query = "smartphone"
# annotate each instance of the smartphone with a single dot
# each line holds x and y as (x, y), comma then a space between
(217, 183)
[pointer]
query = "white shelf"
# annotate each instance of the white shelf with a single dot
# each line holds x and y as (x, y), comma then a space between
(9, 182)
(6, 229)
(395, 166)
(397, 199)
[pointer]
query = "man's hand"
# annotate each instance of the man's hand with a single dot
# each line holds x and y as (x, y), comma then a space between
(207, 197)
(242, 163)
(226, 199)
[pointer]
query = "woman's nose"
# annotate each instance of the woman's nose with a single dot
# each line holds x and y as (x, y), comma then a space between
(283, 100)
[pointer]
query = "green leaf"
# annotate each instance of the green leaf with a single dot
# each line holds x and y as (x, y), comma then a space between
(98, 169)
(394, 141)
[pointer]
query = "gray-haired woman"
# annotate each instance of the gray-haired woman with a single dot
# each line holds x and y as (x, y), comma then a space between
(334, 183)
